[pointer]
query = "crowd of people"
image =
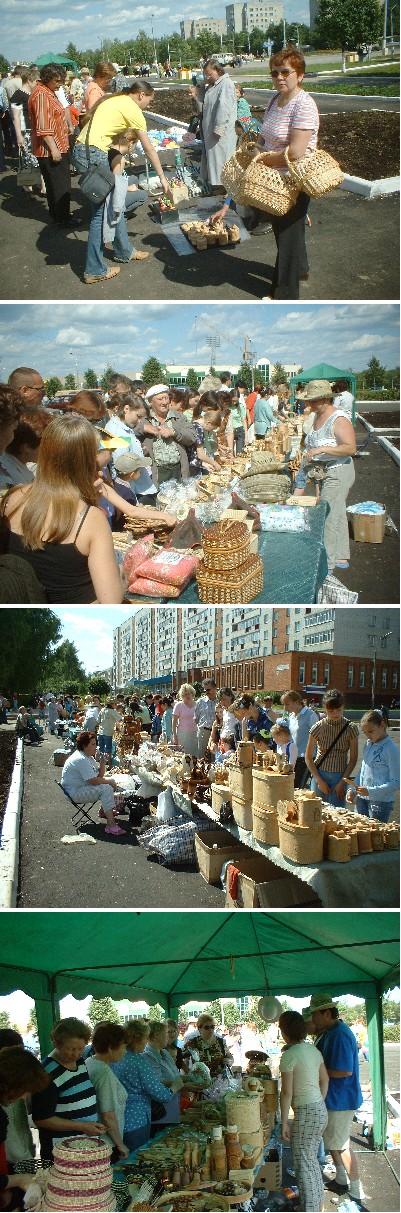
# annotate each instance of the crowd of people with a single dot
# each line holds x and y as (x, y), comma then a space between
(53, 118)
(126, 1083)
(70, 477)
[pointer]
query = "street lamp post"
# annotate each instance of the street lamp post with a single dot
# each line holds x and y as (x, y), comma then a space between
(284, 33)
(383, 636)
(154, 43)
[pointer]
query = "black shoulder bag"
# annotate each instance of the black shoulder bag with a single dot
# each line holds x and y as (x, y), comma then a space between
(98, 181)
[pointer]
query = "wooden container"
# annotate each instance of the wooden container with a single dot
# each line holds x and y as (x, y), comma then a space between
(242, 812)
(270, 1097)
(353, 839)
(392, 837)
(244, 1112)
(364, 842)
(220, 795)
(269, 788)
(213, 848)
(339, 848)
(265, 826)
(302, 844)
(309, 809)
(240, 781)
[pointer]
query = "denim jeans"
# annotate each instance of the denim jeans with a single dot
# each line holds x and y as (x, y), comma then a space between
(379, 810)
(96, 266)
(331, 778)
(104, 743)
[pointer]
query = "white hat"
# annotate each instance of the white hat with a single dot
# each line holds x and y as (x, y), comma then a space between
(156, 390)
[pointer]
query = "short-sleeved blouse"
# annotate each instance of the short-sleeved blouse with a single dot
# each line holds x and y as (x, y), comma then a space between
(184, 716)
(300, 114)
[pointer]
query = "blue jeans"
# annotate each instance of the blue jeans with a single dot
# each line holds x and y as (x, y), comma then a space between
(104, 743)
(331, 778)
(378, 810)
(96, 266)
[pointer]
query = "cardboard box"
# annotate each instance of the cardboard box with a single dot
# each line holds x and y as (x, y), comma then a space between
(60, 757)
(302, 499)
(368, 528)
(212, 849)
(270, 1176)
(262, 883)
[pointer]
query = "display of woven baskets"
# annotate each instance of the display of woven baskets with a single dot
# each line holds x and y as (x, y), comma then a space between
(243, 1111)
(302, 844)
(241, 585)
(268, 189)
(265, 826)
(269, 787)
(232, 174)
(264, 487)
(316, 174)
(225, 545)
(140, 527)
(339, 848)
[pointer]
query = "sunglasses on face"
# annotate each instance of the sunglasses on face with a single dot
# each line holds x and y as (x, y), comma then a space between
(284, 71)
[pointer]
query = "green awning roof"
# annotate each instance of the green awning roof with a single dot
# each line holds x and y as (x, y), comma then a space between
(324, 370)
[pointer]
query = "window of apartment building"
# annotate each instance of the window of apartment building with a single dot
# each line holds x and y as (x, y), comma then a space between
(274, 648)
(350, 676)
(395, 680)
(302, 672)
(362, 675)
(287, 630)
(287, 648)
(239, 674)
(296, 646)
(246, 677)
(234, 678)
(314, 673)
(253, 677)
(384, 678)
(383, 641)
(326, 675)
(297, 626)
(275, 633)
(260, 674)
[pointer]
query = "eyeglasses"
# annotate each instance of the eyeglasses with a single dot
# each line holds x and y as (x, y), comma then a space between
(284, 71)
(36, 387)
(207, 1025)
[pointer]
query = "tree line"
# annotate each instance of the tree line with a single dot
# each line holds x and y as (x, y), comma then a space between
(34, 658)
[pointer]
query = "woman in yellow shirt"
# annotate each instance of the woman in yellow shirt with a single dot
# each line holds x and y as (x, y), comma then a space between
(111, 116)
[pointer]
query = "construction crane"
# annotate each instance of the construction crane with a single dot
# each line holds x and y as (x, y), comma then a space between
(248, 353)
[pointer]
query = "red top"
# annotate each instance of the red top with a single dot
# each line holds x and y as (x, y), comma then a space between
(47, 118)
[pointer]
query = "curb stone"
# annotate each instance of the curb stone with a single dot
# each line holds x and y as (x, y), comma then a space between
(9, 849)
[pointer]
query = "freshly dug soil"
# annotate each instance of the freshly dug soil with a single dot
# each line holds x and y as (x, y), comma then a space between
(8, 745)
(366, 144)
(382, 419)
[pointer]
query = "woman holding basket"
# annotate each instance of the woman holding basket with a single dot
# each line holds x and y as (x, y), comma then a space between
(291, 120)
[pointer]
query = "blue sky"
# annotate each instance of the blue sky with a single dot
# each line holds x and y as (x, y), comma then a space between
(32, 27)
(58, 338)
(91, 630)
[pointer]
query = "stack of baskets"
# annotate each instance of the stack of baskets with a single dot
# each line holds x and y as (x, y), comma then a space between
(266, 461)
(229, 572)
(267, 487)
(269, 786)
(140, 527)
(301, 843)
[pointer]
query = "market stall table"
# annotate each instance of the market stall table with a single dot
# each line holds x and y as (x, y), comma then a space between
(368, 881)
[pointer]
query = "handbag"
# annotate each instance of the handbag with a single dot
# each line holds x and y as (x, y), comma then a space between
(307, 775)
(316, 174)
(98, 180)
(27, 173)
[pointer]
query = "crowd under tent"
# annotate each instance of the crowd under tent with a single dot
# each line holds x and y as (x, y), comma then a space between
(173, 958)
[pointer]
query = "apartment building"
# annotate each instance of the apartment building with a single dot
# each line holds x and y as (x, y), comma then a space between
(197, 25)
(253, 14)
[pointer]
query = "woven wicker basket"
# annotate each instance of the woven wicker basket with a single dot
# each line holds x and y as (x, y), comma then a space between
(266, 461)
(267, 189)
(225, 545)
(232, 173)
(316, 174)
(265, 826)
(302, 844)
(339, 848)
(241, 586)
(264, 487)
(243, 1111)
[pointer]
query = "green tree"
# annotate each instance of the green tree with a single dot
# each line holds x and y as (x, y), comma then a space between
(105, 379)
(391, 1011)
(152, 372)
(53, 385)
(65, 668)
(69, 382)
(5, 1021)
(207, 44)
(27, 639)
(155, 1013)
(278, 374)
(98, 685)
(375, 373)
(256, 40)
(32, 1025)
(192, 379)
(102, 1010)
(245, 373)
(350, 24)
(90, 379)
(4, 65)
(143, 48)
(276, 34)
(72, 53)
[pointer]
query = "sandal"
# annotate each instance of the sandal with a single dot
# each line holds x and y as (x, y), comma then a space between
(341, 564)
(111, 273)
(114, 830)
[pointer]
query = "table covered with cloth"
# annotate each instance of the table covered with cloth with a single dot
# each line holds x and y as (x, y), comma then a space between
(369, 881)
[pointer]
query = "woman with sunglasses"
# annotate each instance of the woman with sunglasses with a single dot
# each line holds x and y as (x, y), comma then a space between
(207, 1047)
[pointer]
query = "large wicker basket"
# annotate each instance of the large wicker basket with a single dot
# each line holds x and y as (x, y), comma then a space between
(264, 487)
(243, 1111)
(241, 585)
(242, 812)
(267, 189)
(225, 545)
(302, 844)
(265, 826)
(265, 461)
(232, 173)
(316, 174)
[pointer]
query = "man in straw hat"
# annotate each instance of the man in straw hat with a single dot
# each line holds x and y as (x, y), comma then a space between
(339, 1049)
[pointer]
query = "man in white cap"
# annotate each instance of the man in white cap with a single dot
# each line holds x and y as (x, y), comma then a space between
(339, 1050)
(169, 436)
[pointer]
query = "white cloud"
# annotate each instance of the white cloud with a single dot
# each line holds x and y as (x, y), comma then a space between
(53, 24)
(72, 336)
(369, 341)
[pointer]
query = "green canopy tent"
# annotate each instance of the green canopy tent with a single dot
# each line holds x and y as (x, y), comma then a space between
(172, 959)
(62, 59)
(323, 370)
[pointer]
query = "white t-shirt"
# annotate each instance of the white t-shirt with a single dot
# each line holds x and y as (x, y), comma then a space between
(344, 401)
(292, 753)
(304, 1060)
(78, 769)
(229, 723)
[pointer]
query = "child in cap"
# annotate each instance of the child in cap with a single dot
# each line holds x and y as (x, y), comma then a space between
(281, 734)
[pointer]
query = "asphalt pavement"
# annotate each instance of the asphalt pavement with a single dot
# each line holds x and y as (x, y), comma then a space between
(352, 248)
(374, 570)
(113, 874)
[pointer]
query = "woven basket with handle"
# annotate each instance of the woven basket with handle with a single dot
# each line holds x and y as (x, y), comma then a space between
(239, 585)
(267, 189)
(264, 487)
(316, 174)
(232, 174)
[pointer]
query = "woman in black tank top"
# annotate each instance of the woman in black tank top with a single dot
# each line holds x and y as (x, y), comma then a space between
(55, 511)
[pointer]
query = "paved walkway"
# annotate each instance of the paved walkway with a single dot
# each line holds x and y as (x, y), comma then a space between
(348, 249)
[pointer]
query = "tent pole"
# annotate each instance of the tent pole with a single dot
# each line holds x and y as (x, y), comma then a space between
(47, 1011)
(374, 1015)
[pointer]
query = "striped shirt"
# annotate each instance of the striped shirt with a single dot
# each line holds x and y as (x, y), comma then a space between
(300, 114)
(47, 118)
(70, 1095)
(325, 732)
